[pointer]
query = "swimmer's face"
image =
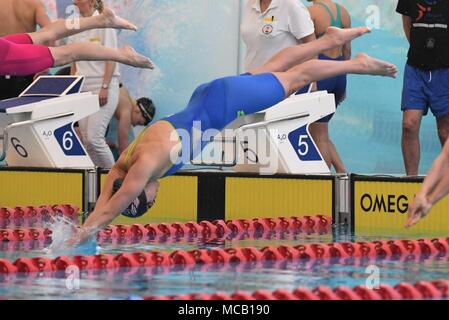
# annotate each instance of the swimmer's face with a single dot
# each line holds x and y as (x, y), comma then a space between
(151, 191)
(137, 118)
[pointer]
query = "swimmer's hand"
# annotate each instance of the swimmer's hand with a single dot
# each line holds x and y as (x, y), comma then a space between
(418, 210)
(80, 237)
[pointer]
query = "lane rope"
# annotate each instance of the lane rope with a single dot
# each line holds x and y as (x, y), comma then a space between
(205, 229)
(403, 291)
(388, 249)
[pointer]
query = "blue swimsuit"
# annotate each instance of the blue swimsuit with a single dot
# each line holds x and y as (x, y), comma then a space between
(218, 103)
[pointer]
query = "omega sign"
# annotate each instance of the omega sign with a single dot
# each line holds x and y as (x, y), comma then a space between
(390, 203)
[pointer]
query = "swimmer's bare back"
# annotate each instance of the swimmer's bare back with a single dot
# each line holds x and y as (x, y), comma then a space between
(17, 16)
(156, 148)
(321, 20)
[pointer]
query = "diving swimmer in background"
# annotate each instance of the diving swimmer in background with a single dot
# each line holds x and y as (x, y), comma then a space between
(25, 54)
(131, 185)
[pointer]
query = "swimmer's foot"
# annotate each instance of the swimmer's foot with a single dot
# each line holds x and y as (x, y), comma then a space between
(341, 36)
(375, 67)
(111, 20)
(132, 58)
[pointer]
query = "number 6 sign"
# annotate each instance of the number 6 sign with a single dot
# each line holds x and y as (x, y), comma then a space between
(68, 141)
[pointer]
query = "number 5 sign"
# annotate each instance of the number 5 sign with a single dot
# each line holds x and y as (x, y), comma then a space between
(68, 141)
(303, 145)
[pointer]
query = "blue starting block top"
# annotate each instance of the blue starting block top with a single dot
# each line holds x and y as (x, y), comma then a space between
(44, 88)
(21, 101)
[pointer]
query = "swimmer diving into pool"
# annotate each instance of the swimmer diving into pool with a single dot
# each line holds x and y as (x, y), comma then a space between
(27, 53)
(434, 188)
(215, 105)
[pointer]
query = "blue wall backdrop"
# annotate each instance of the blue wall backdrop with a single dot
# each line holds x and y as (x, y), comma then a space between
(190, 41)
(193, 41)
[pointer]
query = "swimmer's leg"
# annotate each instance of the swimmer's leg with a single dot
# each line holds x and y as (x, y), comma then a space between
(315, 70)
(292, 56)
(94, 52)
(27, 59)
(62, 28)
(250, 94)
(23, 59)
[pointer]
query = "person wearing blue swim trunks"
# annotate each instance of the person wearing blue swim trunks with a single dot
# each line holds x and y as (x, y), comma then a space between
(131, 186)
(326, 13)
(426, 76)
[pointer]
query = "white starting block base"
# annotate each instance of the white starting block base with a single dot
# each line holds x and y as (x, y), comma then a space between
(276, 140)
(41, 132)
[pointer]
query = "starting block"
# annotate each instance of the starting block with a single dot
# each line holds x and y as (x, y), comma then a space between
(37, 127)
(276, 140)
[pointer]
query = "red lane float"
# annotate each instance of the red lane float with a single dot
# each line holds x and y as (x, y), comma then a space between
(28, 212)
(157, 266)
(402, 250)
(205, 229)
(25, 234)
(402, 291)
(219, 228)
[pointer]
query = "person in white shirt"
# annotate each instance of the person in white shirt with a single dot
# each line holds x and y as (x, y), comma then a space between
(269, 26)
(102, 78)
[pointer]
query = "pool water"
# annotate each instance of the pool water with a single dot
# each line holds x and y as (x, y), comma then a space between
(177, 280)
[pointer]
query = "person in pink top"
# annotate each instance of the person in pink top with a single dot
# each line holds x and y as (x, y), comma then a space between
(27, 53)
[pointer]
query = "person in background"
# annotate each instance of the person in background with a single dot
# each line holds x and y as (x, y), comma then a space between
(130, 113)
(269, 26)
(325, 14)
(426, 75)
(102, 78)
(19, 16)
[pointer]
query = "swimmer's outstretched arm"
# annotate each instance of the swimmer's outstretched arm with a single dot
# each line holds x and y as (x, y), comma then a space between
(145, 168)
(111, 206)
(434, 188)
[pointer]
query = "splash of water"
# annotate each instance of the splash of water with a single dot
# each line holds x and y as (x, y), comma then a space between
(64, 229)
